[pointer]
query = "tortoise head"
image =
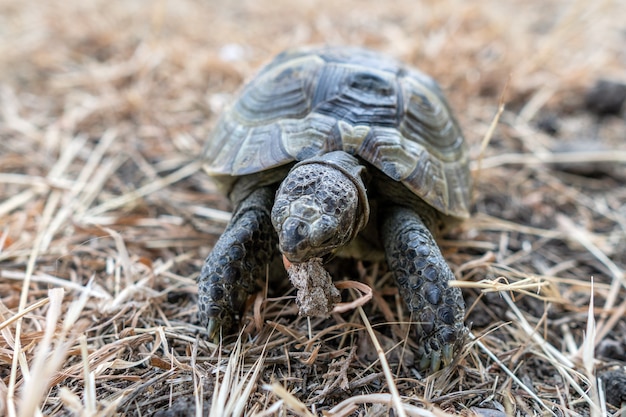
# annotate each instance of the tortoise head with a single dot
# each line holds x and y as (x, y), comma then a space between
(320, 206)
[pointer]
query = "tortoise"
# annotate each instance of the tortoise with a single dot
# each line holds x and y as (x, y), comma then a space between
(340, 151)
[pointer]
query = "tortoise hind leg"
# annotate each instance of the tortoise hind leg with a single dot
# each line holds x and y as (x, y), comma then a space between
(422, 276)
(237, 261)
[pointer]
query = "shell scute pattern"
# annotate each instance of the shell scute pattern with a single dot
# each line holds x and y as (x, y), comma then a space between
(280, 93)
(357, 95)
(306, 104)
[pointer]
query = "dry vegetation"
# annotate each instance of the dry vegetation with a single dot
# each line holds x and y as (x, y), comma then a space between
(105, 220)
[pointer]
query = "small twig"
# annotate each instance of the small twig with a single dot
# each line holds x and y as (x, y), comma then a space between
(613, 156)
(488, 135)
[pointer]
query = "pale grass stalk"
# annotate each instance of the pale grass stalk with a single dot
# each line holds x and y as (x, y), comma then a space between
(127, 294)
(348, 406)
(34, 388)
(71, 401)
(122, 258)
(529, 286)
(36, 181)
(54, 198)
(586, 157)
(11, 118)
(536, 102)
(147, 189)
(483, 221)
(24, 312)
(211, 213)
(20, 199)
(89, 400)
(232, 393)
(72, 199)
(602, 399)
(48, 359)
(272, 410)
(91, 289)
(607, 325)
(588, 357)
(94, 162)
(49, 208)
(289, 400)
(106, 169)
(245, 387)
(391, 383)
(568, 339)
(219, 393)
(487, 138)
(198, 377)
(67, 157)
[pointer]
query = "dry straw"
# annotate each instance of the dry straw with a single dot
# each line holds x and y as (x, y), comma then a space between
(105, 218)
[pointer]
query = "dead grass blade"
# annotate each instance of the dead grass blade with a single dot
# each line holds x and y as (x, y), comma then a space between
(289, 400)
(348, 406)
(548, 158)
(362, 300)
(51, 355)
(232, 391)
(487, 138)
(391, 384)
(160, 183)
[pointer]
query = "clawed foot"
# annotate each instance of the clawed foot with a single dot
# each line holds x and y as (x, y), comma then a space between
(439, 349)
(218, 322)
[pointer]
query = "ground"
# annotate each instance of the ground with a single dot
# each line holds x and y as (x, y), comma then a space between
(105, 219)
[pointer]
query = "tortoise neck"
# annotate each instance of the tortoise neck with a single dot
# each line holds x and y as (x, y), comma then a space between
(246, 184)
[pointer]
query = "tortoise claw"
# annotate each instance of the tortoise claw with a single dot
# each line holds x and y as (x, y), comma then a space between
(213, 328)
(435, 361)
(430, 362)
(448, 354)
(424, 361)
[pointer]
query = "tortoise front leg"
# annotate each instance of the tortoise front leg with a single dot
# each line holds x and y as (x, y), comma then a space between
(237, 261)
(422, 276)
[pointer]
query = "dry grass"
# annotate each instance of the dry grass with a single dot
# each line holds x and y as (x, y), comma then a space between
(105, 221)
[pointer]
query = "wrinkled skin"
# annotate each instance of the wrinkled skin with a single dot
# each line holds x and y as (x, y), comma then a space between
(314, 212)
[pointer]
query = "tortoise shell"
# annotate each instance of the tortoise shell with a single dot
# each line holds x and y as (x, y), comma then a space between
(308, 102)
